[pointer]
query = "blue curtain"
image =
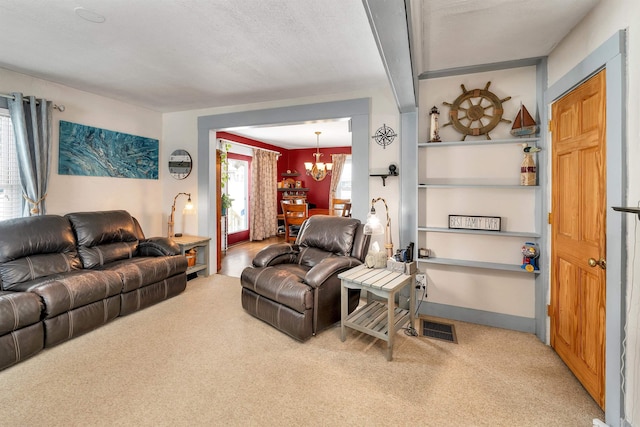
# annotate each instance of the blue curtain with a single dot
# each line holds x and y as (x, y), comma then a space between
(31, 120)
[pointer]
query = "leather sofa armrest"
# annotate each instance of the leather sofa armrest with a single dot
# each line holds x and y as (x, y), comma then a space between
(278, 253)
(328, 267)
(158, 246)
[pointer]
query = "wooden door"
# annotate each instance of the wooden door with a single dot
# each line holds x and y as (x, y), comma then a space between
(218, 212)
(578, 250)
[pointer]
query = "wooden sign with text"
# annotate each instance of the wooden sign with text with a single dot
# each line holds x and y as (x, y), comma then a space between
(474, 222)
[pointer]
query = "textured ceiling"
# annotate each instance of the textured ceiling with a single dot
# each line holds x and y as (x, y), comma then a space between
(334, 133)
(174, 55)
(459, 33)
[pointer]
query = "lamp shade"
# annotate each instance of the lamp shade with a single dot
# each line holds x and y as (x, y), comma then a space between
(373, 226)
(188, 207)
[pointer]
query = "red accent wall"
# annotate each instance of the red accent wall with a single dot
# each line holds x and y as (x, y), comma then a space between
(293, 160)
(251, 142)
(318, 190)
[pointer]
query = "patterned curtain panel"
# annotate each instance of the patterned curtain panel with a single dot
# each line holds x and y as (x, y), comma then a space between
(338, 164)
(264, 201)
(31, 120)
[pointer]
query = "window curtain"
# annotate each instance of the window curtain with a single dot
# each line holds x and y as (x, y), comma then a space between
(264, 202)
(336, 172)
(31, 120)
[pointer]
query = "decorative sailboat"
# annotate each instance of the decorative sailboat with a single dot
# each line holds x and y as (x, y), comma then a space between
(523, 124)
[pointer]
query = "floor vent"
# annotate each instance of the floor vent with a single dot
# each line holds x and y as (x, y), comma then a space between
(438, 330)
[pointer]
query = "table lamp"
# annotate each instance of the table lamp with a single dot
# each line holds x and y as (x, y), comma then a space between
(373, 226)
(188, 207)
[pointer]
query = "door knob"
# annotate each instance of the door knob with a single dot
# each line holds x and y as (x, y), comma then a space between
(601, 262)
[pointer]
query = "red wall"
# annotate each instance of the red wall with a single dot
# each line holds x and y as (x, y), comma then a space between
(293, 160)
(248, 141)
(318, 190)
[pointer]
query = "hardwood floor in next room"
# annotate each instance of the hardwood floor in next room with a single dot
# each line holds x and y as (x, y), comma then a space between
(240, 256)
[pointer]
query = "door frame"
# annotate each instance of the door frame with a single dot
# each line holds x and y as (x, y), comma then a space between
(612, 57)
(357, 109)
(241, 236)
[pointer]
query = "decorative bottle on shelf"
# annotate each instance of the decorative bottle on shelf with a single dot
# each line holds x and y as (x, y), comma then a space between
(528, 166)
(528, 170)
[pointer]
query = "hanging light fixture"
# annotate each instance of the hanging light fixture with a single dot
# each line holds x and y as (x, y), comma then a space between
(318, 170)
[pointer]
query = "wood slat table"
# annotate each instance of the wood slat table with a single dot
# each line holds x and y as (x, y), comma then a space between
(379, 319)
(190, 242)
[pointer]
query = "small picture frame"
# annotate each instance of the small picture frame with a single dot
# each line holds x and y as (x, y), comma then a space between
(424, 253)
(475, 222)
(298, 184)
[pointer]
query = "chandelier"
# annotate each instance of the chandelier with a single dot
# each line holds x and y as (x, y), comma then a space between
(318, 170)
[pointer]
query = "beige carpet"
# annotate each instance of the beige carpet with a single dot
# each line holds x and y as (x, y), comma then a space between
(199, 359)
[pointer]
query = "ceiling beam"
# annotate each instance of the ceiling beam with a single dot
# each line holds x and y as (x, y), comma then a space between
(388, 20)
(480, 68)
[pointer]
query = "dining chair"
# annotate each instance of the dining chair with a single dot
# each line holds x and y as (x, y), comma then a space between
(341, 207)
(346, 212)
(294, 215)
(295, 199)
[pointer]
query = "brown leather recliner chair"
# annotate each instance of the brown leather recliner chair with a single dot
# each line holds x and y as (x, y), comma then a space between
(295, 287)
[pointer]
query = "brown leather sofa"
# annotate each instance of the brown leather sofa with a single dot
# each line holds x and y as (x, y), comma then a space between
(62, 276)
(21, 327)
(295, 287)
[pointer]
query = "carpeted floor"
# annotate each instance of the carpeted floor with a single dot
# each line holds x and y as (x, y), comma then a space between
(199, 359)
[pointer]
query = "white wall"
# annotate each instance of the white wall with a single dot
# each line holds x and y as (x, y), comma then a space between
(180, 131)
(603, 22)
(67, 193)
(150, 200)
(494, 291)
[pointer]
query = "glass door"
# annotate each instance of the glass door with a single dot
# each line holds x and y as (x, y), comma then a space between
(237, 189)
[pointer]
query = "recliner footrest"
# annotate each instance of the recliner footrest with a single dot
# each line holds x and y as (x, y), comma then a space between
(282, 283)
(297, 325)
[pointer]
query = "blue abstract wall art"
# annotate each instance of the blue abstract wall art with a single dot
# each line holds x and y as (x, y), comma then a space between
(90, 151)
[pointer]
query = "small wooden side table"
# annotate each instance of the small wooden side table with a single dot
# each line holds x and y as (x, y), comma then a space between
(379, 319)
(202, 258)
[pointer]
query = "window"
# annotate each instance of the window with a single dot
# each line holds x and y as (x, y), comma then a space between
(10, 188)
(344, 186)
(238, 190)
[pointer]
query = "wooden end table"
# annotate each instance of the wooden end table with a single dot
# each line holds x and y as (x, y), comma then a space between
(379, 319)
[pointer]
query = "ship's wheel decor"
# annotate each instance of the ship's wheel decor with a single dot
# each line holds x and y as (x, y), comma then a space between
(476, 112)
(384, 136)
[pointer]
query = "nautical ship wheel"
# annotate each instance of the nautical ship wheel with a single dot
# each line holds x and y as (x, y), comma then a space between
(476, 112)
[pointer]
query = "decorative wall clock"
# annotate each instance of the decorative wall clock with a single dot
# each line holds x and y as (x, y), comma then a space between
(476, 112)
(180, 164)
(384, 136)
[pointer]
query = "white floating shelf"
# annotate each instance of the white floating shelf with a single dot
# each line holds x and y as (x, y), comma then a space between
(477, 143)
(476, 264)
(469, 185)
(483, 232)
